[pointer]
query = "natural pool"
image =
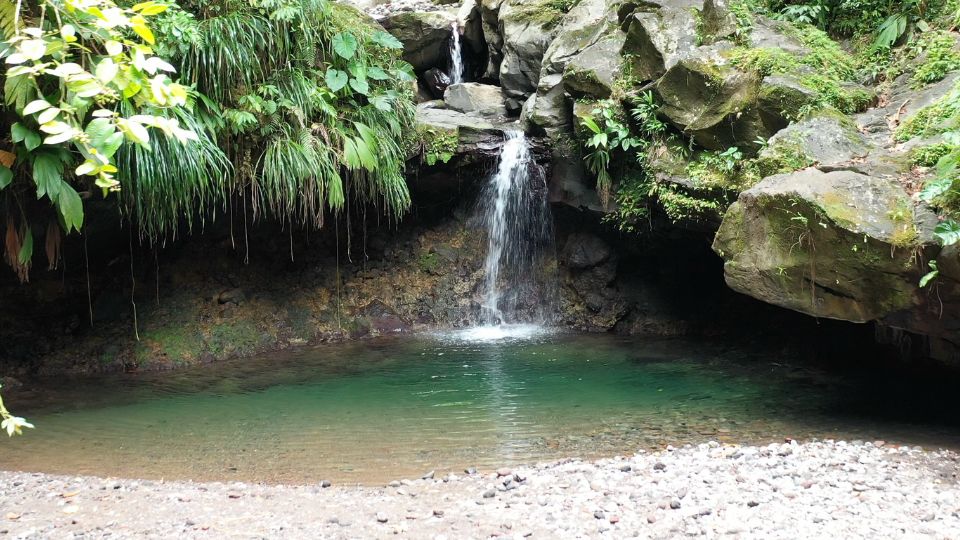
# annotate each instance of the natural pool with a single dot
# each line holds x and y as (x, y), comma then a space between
(383, 409)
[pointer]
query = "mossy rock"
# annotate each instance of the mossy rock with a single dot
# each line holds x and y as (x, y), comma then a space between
(838, 245)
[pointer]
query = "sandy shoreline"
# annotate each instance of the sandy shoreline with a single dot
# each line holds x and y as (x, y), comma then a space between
(810, 490)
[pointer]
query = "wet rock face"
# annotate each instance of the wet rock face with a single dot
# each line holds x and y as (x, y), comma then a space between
(425, 36)
(584, 251)
(475, 98)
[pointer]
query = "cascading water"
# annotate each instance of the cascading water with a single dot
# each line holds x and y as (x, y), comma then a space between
(520, 275)
(456, 55)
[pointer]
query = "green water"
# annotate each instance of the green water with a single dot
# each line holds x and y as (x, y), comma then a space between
(386, 409)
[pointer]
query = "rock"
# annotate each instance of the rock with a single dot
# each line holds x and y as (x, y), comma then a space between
(598, 514)
(232, 296)
(625, 468)
(849, 235)
(716, 104)
(476, 98)
(782, 97)
(428, 476)
(614, 520)
(425, 36)
(438, 513)
(583, 250)
(489, 494)
(436, 81)
(325, 483)
(381, 517)
(593, 71)
(753, 504)
(675, 504)
(658, 35)
(524, 44)
(470, 470)
(826, 139)
(504, 471)
(394, 484)
(659, 466)
(651, 518)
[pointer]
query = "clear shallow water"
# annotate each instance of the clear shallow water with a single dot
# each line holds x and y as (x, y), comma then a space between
(379, 410)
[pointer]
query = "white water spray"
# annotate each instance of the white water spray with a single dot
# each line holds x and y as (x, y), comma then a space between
(456, 55)
(519, 275)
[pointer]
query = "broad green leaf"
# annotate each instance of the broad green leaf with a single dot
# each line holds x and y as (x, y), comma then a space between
(345, 45)
(377, 74)
(930, 276)
(47, 175)
(36, 106)
(107, 69)
(6, 177)
(26, 249)
(142, 30)
(336, 79)
(948, 232)
(33, 49)
(71, 207)
(360, 86)
(49, 115)
(19, 132)
(99, 130)
(358, 69)
(386, 40)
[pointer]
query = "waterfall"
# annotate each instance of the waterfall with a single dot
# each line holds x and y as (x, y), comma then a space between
(519, 272)
(456, 56)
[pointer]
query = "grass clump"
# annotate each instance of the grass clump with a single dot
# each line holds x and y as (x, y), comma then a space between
(930, 155)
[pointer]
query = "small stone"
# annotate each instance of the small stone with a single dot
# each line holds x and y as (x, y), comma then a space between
(13, 516)
(504, 472)
(519, 478)
(598, 514)
(879, 444)
(234, 494)
(753, 504)
(428, 476)
(929, 517)
(807, 484)
(659, 466)
(381, 517)
(489, 494)
(395, 484)
(675, 504)
(614, 520)
(625, 468)
(334, 521)
(651, 518)
(71, 509)
(438, 513)
(325, 483)
(470, 470)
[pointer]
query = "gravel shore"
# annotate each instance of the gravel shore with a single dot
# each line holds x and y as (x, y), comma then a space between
(827, 489)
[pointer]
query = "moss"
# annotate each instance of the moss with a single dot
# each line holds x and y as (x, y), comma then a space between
(825, 69)
(837, 210)
(905, 234)
(938, 118)
(429, 262)
(545, 13)
(241, 337)
(939, 58)
(929, 155)
(179, 344)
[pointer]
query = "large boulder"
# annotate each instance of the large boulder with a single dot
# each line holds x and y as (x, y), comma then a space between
(839, 244)
(585, 53)
(713, 102)
(525, 40)
(476, 98)
(826, 140)
(425, 36)
(659, 33)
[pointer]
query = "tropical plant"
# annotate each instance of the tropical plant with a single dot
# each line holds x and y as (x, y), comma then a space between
(82, 80)
(13, 425)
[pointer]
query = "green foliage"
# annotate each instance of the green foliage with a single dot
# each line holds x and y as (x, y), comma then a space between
(64, 85)
(546, 13)
(832, 68)
(13, 425)
(930, 155)
(940, 117)
(437, 145)
(940, 57)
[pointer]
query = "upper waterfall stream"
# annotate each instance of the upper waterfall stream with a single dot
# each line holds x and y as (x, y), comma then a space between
(456, 55)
